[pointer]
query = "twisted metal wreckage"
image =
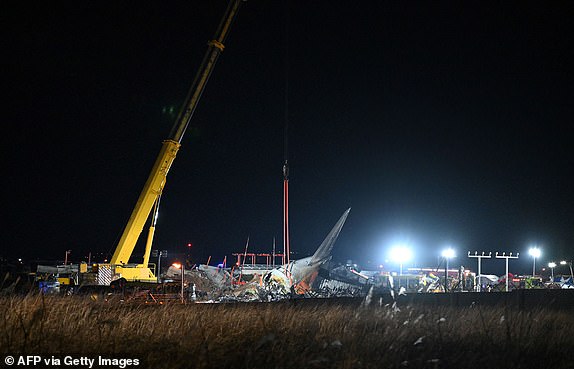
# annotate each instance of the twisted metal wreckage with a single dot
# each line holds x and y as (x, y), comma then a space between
(303, 277)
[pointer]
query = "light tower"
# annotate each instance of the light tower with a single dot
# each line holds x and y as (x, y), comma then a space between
(182, 267)
(535, 253)
(569, 263)
(447, 254)
(552, 265)
(401, 254)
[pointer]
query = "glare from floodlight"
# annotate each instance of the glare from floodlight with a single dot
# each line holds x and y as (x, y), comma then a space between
(535, 252)
(448, 253)
(563, 262)
(551, 264)
(400, 254)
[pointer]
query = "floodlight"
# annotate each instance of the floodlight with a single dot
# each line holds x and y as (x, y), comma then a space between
(401, 254)
(448, 253)
(534, 252)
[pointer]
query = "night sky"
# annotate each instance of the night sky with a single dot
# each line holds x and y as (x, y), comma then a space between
(438, 123)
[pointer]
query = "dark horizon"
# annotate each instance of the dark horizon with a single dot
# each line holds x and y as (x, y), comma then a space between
(437, 124)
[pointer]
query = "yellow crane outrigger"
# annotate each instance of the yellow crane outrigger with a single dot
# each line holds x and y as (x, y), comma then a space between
(149, 198)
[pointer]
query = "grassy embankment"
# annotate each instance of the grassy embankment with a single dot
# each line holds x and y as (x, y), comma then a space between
(304, 334)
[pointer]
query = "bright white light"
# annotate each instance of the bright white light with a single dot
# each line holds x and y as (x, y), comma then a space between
(400, 254)
(448, 253)
(563, 262)
(534, 252)
(552, 265)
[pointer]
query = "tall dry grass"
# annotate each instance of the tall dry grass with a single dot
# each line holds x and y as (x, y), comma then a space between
(296, 334)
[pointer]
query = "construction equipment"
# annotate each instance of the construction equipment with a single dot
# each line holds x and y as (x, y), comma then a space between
(148, 202)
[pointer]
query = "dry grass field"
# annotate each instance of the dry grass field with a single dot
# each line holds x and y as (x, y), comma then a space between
(290, 334)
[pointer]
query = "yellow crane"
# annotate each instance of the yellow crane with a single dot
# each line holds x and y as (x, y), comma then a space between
(148, 202)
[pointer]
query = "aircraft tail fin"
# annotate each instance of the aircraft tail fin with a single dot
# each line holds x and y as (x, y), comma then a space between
(324, 251)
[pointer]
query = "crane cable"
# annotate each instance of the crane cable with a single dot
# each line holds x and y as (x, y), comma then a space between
(286, 241)
(286, 138)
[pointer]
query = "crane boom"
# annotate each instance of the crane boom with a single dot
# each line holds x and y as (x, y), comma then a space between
(153, 188)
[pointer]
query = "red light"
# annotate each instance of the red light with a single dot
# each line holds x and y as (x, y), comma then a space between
(189, 244)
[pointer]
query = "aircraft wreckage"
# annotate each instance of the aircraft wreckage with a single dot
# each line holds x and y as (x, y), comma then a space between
(315, 276)
(309, 276)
